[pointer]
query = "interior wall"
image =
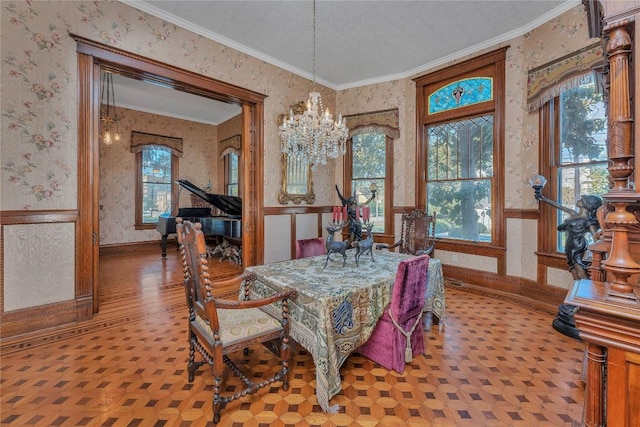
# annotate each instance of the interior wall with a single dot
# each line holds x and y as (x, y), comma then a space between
(39, 106)
(554, 39)
(198, 164)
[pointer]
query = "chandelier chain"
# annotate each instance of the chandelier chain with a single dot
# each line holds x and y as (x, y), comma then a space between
(314, 42)
(309, 135)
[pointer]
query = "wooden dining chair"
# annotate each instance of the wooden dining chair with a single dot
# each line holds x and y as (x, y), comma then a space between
(310, 247)
(219, 327)
(418, 234)
(399, 334)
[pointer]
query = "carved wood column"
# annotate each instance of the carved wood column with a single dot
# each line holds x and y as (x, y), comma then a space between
(620, 121)
(595, 392)
(619, 264)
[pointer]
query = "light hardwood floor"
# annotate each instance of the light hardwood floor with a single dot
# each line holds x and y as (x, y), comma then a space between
(496, 362)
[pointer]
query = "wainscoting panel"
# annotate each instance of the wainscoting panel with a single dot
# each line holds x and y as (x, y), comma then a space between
(52, 279)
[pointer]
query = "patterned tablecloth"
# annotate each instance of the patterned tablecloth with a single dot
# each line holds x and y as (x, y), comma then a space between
(338, 307)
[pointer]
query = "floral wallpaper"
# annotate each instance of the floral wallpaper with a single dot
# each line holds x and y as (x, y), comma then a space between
(554, 39)
(39, 95)
(384, 96)
(199, 164)
(38, 105)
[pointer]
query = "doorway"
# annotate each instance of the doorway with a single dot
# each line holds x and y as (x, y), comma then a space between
(93, 59)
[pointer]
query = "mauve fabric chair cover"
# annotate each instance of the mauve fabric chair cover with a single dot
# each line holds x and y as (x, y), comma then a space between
(387, 344)
(309, 247)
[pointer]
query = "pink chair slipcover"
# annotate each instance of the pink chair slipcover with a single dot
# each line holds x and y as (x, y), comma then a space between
(388, 345)
(309, 247)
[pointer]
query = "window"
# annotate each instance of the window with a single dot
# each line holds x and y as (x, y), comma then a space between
(578, 161)
(461, 152)
(231, 174)
(156, 172)
(459, 177)
(369, 161)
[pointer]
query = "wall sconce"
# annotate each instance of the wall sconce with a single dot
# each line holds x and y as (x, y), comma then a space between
(538, 182)
(110, 116)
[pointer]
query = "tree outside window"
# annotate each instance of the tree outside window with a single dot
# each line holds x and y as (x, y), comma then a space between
(580, 160)
(370, 157)
(459, 174)
(461, 153)
(156, 169)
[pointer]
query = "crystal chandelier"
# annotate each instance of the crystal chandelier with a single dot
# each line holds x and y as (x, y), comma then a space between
(109, 118)
(312, 136)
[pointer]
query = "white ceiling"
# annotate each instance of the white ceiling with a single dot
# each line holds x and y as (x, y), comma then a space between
(150, 98)
(357, 42)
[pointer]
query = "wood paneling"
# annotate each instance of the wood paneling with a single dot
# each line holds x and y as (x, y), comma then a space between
(21, 321)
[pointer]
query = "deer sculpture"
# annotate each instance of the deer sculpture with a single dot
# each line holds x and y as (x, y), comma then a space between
(335, 246)
(364, 246)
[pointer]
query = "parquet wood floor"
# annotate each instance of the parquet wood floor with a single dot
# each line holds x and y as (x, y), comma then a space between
(497, 362)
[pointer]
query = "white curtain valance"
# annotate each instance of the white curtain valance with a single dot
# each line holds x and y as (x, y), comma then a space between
(385, 121)
(141, 140)
(572, 70)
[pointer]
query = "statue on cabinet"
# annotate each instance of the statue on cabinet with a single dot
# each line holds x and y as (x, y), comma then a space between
(580, 222)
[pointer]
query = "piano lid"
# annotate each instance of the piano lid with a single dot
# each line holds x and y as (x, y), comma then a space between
(231, 205)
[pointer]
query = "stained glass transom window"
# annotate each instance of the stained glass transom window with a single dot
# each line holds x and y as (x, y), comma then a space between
(461, 93)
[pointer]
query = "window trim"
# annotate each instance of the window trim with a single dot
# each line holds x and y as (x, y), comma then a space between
(138, 224)
(496, 62)
(227, 172)
(388, 182)
(548, 253)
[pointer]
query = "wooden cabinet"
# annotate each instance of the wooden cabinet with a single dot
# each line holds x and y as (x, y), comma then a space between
(608, 318)
(611, 330)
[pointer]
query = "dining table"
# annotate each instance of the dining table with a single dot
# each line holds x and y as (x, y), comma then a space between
(337, 307)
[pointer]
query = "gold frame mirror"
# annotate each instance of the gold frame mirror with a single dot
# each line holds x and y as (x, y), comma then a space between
(297, 178)
(297, 182)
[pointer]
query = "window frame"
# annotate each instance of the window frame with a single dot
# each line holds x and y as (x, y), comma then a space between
(388, 233)
(550, 155)
(490, 64)
(138, 223)
(227, 173)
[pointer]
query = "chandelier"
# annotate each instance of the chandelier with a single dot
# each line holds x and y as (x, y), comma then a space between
(109, 116)
(312, 136)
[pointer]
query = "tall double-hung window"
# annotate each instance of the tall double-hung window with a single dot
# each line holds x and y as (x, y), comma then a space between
(573, 134)
(575, 143)
(461, 148)
(369, 164)
(231, 174)
(156, 172)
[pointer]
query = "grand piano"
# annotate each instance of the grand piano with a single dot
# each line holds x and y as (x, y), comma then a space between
(228, 226)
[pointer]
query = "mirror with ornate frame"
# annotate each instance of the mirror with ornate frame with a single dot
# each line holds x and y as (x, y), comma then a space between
(297, 178)
(297, 182)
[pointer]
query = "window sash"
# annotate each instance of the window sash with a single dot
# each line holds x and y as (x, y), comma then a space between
(155, 189)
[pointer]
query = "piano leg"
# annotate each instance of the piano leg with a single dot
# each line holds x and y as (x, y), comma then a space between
(164, 246)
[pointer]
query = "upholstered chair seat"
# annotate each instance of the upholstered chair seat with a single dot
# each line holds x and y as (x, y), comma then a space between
(239, 325)
(220, 327)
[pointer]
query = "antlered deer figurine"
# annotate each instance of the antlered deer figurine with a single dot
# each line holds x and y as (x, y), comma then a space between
(364, 246)
(335, 246)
